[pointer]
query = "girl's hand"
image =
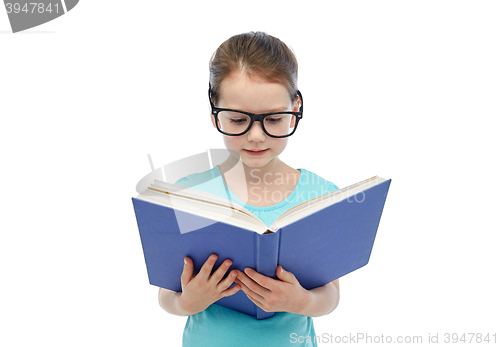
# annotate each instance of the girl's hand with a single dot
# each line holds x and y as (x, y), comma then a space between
(284, 294)
(202, 290)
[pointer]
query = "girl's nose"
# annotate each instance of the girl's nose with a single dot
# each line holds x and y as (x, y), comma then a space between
(256, 133)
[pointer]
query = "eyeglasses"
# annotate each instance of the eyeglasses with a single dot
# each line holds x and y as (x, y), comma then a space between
(276, 124)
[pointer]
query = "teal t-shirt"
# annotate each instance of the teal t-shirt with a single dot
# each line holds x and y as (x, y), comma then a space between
(218, 326)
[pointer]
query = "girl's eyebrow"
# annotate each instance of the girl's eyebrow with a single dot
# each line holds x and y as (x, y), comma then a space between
(276, 109)
(279, 109)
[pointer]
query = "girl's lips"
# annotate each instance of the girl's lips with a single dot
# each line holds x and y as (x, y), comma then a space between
(255, 152)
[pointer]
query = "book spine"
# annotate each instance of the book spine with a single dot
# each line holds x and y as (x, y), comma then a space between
(266, 261)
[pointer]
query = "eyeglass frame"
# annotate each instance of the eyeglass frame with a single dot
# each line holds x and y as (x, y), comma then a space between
(257, 117)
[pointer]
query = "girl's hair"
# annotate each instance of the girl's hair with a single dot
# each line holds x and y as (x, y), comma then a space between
(259, 55)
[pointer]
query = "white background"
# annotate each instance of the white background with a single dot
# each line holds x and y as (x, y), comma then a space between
(404, 90)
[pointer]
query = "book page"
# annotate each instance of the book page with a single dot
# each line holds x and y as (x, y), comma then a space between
(228, 216)
(217, 207)
(203, 204)
(194, 193)
(320, 202)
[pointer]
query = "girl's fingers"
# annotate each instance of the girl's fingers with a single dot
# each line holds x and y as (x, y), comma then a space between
(206, 269)
(219, 273)
(223, 285)
(255, 300)
(230, 291)
(187, 271)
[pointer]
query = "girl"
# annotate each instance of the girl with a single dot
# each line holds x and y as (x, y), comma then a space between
(252, 75)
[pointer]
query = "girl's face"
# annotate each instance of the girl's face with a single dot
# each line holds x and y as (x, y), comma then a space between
(240, 92)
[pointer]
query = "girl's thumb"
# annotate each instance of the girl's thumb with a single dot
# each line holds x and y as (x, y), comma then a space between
(281, 272)
(285, 275)
(187, 271)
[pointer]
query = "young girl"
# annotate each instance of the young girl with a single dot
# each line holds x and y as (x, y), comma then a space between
(252, 75)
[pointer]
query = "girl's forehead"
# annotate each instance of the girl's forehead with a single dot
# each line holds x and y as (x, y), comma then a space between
(253, 94)
(244, 79)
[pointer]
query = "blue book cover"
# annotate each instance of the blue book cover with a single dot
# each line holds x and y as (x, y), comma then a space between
(318, 248)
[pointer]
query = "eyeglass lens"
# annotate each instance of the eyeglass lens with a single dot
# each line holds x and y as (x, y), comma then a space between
(232, 122)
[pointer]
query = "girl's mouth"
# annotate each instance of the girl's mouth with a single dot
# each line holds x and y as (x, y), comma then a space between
(256, 153)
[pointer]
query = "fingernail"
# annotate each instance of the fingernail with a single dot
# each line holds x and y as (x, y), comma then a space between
(185, 262)
(282, 269)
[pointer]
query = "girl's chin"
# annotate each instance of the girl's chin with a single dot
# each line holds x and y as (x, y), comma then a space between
(255, 162)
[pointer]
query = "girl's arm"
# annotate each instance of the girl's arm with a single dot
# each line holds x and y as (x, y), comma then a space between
(169, 301)
(322, 300)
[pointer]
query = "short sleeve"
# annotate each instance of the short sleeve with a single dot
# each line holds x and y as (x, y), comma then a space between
(332, 187)
(184, 181)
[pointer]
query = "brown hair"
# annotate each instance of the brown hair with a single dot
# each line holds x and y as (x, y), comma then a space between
(259, 55)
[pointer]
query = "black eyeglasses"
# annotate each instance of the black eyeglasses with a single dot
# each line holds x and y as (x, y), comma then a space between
(276, 124)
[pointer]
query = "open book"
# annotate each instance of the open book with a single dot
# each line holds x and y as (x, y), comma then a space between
(318, 241)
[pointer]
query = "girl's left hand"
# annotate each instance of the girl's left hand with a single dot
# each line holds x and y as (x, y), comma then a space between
(284, 294)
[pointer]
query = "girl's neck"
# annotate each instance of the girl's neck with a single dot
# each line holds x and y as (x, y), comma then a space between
(262, 186)
(236, 170)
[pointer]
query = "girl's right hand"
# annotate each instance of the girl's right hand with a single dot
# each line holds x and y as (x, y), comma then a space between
(202, 290)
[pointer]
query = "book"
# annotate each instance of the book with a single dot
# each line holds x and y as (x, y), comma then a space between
(318, 241)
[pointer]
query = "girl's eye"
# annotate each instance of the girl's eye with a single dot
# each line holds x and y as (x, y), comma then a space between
(238, 120)
(273, 120)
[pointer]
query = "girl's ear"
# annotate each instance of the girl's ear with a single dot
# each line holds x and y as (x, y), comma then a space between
(297, 104)
(296, 107)
(213, 120)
